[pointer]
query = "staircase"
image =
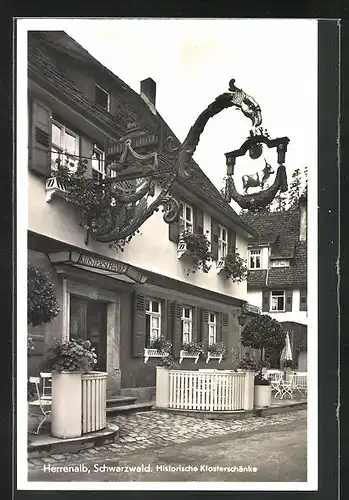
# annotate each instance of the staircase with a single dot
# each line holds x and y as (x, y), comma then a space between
(126, 404)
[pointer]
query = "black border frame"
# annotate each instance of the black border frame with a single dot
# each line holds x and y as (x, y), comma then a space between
(328, 254)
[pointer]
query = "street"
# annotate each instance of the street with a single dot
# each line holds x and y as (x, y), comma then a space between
(269, 453)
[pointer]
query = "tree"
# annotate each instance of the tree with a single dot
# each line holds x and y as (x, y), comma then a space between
(263, 332)
(295, 188)
(42, 303)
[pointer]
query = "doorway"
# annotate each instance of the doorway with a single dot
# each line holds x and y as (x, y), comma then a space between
(88, 320)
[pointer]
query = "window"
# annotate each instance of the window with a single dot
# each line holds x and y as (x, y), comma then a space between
(65, 146)
(98, 164)
(280, 263)
(212, 328)
(255, 259)
(187, 324)
(102, 98)
(153, 320)
(277, 300)
(186, 217)
(222, 242)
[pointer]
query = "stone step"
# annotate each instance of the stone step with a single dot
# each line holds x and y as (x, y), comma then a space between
(120, 401)
(146, 406)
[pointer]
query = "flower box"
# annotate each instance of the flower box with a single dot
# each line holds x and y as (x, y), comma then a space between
(185, 354)
(54, 186)
(219, 265)
(181, 249)
(214, 356)
(154, 353)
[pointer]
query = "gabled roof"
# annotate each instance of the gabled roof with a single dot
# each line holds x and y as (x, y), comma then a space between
(130, 107)
(282, 229)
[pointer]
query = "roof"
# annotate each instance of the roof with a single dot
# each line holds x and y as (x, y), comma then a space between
(279, 230)
(130, 107)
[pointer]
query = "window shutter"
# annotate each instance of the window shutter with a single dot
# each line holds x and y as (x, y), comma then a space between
(170, 319)
(177, 329)
(198, 221)
(138, 330)
(173, 231)
(224, 323)
(40, 154)
(204, 326)
(214, 238)
(288, 305)
(265, 301)
(164, 320)
(303, 299)
(194, 325)
(231, 241)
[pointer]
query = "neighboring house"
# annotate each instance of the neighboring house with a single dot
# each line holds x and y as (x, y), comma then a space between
(121, 300)
(277, 271)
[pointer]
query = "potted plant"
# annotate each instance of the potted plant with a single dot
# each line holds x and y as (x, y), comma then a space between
(235, 267)
(197, 246)
(262, 391)
(190, 350)
(247, 363)
(69, 361)
(263, 332)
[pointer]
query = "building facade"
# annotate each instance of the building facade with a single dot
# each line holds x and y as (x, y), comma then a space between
(277, 272)
(121, 299)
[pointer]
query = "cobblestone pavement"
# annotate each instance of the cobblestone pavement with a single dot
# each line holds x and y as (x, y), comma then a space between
(139, 431)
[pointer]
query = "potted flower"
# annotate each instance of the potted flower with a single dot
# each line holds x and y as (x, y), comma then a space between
(247, 363)
(69, 361)
(190, 350)
(215, 351)
(262, 391)
(197, 247)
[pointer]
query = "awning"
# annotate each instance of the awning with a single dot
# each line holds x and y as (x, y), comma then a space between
(103, 265)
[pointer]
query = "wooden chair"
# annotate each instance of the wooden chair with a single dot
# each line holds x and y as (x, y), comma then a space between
(44, 404)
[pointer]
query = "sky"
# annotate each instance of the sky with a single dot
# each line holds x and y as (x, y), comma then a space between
(192, 61)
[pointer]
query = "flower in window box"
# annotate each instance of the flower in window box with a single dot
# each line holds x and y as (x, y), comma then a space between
(235, 267)
(217, 349)
(192, 348)
(162, 345)
(198, 248)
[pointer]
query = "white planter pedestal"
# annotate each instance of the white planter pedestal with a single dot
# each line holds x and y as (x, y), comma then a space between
(262, 396)
(66, 405)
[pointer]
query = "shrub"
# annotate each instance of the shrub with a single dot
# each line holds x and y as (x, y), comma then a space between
(42, 303)
(74, 355)
(198, 247)
(248, 362)
(168, 362)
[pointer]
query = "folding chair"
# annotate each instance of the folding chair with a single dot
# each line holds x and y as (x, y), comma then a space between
(46, 385)
(287, 387)
(276, 382)
(41, 403)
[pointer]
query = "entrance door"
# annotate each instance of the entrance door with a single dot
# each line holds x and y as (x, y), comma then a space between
(88, 320)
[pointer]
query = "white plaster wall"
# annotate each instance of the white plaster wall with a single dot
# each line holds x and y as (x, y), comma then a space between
(265, 257)
(254, 297)
(150, 250)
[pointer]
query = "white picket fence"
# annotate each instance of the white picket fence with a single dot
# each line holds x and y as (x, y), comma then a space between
(94, 390)
(191, 390)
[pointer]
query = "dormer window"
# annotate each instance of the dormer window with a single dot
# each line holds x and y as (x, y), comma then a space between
(102, 97)
(280, 263)
(255, 259)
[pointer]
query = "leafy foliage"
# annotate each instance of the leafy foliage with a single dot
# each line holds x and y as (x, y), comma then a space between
(75, 355)
(218, 348)
(260, 380)
(168, 362)
(42, 303)
(247, 362)
(263, 332)
(93, 199)
(198, 247)
(162, 345)
(235, 267)
(192, 348)
(30, 344)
